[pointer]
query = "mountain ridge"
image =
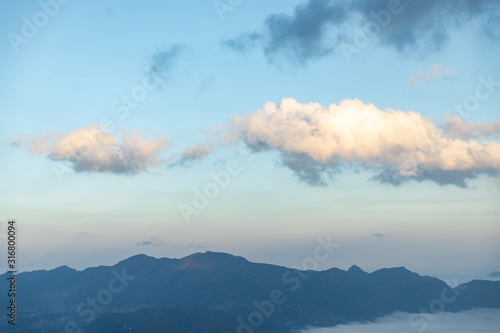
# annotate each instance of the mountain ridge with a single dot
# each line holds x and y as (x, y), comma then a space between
(216, 281)
(197, 254)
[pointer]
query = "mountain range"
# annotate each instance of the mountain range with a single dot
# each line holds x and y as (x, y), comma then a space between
(218, 292)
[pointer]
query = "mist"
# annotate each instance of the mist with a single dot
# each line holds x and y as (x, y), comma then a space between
(477, 320)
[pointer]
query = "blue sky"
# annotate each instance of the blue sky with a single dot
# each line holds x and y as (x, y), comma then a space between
(415, 187)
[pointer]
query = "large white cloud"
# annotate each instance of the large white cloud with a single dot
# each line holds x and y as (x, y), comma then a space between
(91, 150)
(315, 141)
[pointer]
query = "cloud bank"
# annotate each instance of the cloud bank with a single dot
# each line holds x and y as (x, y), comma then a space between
(479, 320)
(317, 142)
(318, 28)
(90, 150)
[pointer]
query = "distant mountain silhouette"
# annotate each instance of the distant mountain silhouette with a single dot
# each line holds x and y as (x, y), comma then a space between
(222, 292)
(358, 273)
(495, 274)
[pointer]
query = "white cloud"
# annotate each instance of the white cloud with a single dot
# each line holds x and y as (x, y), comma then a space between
(435, 72)
(35, 145)
(465, 129)
(315, 141)
(478, 320)
(91, 150)
(191, 154)
(197, 152)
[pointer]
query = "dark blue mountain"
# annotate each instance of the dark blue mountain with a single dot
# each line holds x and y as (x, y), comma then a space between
(219, 291)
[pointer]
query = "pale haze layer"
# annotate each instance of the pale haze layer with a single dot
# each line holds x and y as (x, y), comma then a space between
(478, 320)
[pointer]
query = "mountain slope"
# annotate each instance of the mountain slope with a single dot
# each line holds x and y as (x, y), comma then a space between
(261, 295)
(171, 320)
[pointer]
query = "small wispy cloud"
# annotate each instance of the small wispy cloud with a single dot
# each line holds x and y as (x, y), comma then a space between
(197, 246)
(153, 241)
(434, 72)
(244, 42)
(86, 234)
(379, 235)
(163, 62)
(36, 145)
(223, 135)
(196, 153)
(192, 153)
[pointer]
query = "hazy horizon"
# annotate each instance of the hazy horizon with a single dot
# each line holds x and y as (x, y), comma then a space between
(452, 279)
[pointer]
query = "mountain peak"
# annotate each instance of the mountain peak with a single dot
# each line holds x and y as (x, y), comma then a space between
(195, 260)
(208, 259)
(210, 255)
(64, 268)
(357, 272)
(139, 256)
(393, 272)
(495, 274)
(355, 268)
(138, 259)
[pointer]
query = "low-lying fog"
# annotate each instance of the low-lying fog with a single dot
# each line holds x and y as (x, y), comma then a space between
(478, 320)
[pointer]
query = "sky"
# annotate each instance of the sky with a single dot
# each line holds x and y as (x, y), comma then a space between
(252, 128)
